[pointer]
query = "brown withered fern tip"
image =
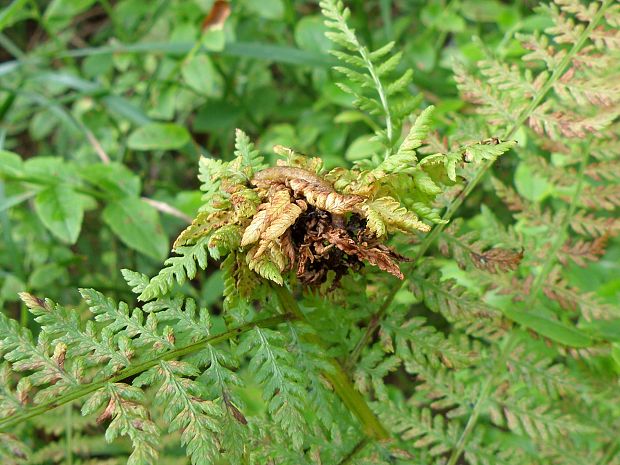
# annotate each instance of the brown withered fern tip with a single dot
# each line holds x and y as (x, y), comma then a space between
(298, 220)
(318, 229)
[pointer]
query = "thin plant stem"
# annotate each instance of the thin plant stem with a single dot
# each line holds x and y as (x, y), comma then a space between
(69, 434)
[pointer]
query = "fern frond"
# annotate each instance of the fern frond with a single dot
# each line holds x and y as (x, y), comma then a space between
(275, 369)
(177, 269)
(539, 422)
(45, 360)
(185, 409)
(125, 322)
(387, 215)
(459, 306)
(249, 157)
(377, 65)
(124, 407)
(13, 451)
(541, 373)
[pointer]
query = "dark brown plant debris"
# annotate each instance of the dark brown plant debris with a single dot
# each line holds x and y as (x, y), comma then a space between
(313, 228)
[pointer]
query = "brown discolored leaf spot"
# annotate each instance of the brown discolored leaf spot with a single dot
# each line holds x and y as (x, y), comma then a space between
(60, 353)
(108, 412)
(234, 411)
(497, 260)
(33, 301)
(217, 16)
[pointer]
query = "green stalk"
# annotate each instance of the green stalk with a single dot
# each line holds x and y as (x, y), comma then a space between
(86, 389)
(69, 434)
(338, 378)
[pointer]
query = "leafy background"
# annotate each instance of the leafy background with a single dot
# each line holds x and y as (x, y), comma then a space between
(140, 86)
(106, 106)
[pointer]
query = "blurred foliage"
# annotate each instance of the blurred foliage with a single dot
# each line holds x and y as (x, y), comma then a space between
(503, 346)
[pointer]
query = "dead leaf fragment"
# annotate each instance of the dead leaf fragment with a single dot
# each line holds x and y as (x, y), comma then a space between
(217, 16)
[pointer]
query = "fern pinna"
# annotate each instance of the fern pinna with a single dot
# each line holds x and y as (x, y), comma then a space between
(331, 302)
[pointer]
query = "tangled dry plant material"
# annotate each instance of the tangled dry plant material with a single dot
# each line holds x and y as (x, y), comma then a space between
(291, 217)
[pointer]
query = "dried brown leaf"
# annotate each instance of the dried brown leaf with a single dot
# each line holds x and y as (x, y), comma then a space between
(216, 18)
(582, 251)
(497, 260)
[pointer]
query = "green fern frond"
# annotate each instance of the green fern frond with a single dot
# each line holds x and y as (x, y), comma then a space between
(63, 326)
(177, 269)
(386, 214)
(249, 157)
(42, 358)
(124, 406)
(13, 451)
(125, 322)
(275, 369)
(185, 409)
(370, 70)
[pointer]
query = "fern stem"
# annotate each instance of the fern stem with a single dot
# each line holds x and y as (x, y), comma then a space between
(372, 326)
(338, 378)
(471, 185)
(389, 129)
(363, 51)
(69, 434)
(140, 367)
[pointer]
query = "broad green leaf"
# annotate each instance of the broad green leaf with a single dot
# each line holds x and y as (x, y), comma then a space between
(310, 34)
(214, 39)
(531, 185)
(11, 13)
(10, 288)
(137, 224)
(45, 275)
(61, 210)
(42, 124)
(362, 148)
(49, 170)
(268, 9)
(159, 136)
(59, 13)
(10, 163)
(444, 19)
(553, 329)
(217, 115)
(125, 109)
(8, 202)
(200, 74)
(116, 179)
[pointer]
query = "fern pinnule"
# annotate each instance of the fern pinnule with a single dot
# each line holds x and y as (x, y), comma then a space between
(274, 368)
(185, 409)
(124, 408)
